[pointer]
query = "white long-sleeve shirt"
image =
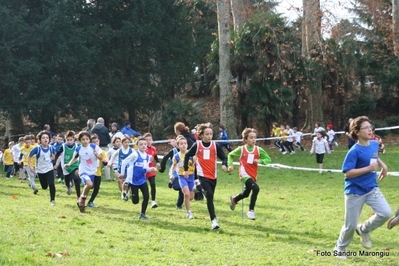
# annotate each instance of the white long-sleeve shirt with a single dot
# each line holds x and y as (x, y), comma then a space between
(320, 146)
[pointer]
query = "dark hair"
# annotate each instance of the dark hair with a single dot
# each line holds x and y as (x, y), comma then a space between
(201, 128)
(70, 134)
(43, 132)
(222, 127)
(355, 126)
(82, 134)
(93, 136)
(141, 139)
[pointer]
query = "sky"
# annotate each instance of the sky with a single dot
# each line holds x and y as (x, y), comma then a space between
(333, 11)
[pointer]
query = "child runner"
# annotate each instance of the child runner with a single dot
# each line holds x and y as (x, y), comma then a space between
(320, 146)
(298, 137)
(8, 161)
(206, 152)
(23, 161)
(116, 143)
(173, 183)
(87, 153)
(360, 166)
(223, 136)
(120, 155)
(44, 167)
(250, 156)
(331, 136)
(381, 146)
(135, 167)
(57, 146)
(16, 152)
(151, 150)
(186, 183)
(64, 156)
(97, 176)
(290, 139)
(276, 132)
(283, 139)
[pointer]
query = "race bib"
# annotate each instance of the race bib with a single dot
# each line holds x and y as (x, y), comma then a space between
(250, 158)
(207, 154)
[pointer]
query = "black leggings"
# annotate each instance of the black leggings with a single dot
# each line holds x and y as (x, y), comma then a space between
(209, 186)
(134, 191)
(96, 188)
(319, 157)
(153, 188)
(47, 181)
(76, 180)
(249, 185)
(288, 145)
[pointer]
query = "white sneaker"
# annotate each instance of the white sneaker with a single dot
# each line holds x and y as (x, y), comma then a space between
(251, 215)
(190, 215)
(69, 191)
(52, 203)
(364, 237)
(215, 224)
(284, 152)
(292, 152)
(232, 203)
(154, 204)
(339, 253)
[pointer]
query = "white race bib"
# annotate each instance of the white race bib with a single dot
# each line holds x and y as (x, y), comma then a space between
(250, 158)
(207, 154)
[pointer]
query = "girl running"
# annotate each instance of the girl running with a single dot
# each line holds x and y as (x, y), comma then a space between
(250, 156)
(206, 152)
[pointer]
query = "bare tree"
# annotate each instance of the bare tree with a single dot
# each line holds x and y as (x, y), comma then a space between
(240, 9)
(226, 97)
(311, 50)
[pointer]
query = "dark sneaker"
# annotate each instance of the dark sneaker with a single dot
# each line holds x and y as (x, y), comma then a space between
(143, 217)
(393, 222)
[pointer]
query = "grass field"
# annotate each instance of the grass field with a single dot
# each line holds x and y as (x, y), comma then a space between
(299, 215)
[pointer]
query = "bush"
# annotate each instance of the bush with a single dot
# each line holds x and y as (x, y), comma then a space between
(392, 121)
(380, 124)
(365, 105)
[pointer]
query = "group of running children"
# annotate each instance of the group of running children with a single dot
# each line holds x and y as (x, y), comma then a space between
(196, 166)
(81, 160)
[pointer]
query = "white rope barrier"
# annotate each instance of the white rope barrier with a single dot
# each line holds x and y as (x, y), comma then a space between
(272, 138)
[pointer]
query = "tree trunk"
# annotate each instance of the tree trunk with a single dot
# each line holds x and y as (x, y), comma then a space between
(311, 36)
(226, 97)
(14, 127)
(241, 10)
(395, 27)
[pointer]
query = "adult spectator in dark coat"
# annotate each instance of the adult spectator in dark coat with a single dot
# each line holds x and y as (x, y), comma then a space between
(90, 124)
(102, 133)
(47, 128)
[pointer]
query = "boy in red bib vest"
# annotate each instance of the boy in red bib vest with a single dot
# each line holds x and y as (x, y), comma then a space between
(250, 156)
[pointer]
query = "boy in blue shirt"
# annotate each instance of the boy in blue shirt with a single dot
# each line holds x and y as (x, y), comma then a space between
(360, 166)
(223, 136)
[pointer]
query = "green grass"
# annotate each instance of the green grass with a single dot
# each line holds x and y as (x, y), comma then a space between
(297, 213)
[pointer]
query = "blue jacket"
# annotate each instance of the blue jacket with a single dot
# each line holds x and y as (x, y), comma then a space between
(130, 132)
